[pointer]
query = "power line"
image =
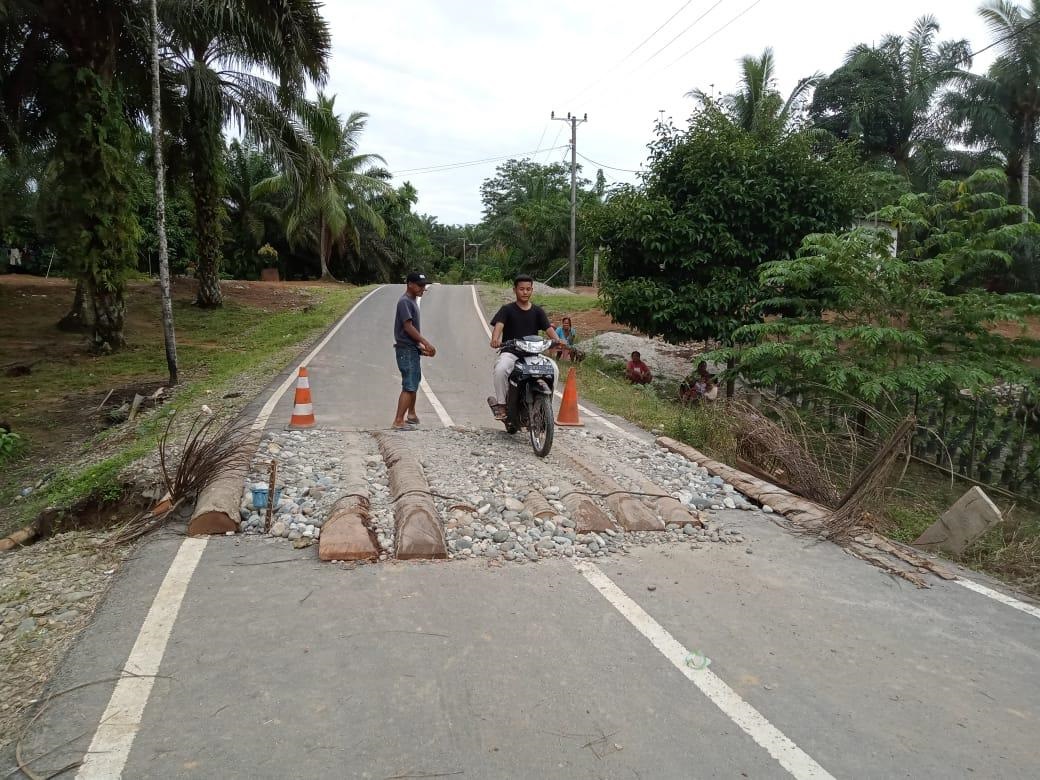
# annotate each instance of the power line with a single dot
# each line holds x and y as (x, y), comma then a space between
(651, 35)
(685, 30)
(603, 165)
(727, 24)
(467, 163)
(623, 60)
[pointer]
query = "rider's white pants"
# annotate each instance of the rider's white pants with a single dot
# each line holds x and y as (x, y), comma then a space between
(504, 366)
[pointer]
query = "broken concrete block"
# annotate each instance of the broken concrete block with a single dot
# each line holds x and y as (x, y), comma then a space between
(971, 516)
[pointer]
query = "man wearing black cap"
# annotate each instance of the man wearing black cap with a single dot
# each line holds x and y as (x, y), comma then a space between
(409, 344)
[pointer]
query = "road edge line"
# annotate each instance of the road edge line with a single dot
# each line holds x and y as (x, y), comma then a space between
(791, 757)
(996, 595)
(110, 748)
(265, 412)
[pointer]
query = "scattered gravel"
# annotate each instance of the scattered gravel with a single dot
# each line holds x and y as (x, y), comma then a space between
(48, 592)
(479, 480)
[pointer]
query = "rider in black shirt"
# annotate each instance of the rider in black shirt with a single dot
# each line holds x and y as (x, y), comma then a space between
(515, 321)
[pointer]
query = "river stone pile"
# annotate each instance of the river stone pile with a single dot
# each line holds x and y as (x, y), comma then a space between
(312, 475)
(479, 480)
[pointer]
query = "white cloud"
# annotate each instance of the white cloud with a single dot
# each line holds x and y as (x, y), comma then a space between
(451, 80)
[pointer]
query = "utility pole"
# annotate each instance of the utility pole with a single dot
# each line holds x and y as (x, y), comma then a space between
(574, 188)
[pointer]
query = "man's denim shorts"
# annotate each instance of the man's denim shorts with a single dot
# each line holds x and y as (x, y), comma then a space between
(411, 373)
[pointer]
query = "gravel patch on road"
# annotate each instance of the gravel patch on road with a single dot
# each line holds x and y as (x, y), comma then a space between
(479, 480)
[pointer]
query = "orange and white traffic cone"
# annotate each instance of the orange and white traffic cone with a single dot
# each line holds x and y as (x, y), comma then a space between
(303, 409)
(568, 414)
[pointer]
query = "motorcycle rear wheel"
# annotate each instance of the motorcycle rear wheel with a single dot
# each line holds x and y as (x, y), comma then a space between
(540, 425)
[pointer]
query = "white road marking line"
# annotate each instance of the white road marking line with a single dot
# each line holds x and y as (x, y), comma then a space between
(438, 407)
(480, 312)
(268, 408)
(996, 595)
(792, 758)
(106, 757)
(108, 752)
(557, 393)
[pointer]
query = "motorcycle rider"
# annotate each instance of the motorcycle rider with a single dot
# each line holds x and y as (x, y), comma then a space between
(515, 321)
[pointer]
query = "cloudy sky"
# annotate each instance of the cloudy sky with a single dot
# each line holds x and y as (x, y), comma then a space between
(454, 81)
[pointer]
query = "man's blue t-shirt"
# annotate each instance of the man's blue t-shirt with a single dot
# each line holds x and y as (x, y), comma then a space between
(407, 309)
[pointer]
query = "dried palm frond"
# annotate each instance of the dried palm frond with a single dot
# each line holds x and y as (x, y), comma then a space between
(211, 449)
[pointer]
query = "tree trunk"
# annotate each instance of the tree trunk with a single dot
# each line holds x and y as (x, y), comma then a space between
(1026, 154)
(169, 337)
(204, 140)
(731, 382)
(79, 316)
(90, 203)
(109, 313)
(324, 251)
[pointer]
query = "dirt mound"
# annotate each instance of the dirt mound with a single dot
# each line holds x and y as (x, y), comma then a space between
(667, 361)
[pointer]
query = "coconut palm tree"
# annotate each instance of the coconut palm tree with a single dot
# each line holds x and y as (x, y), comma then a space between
(221, 54)
(329, 204)
(758, 106)
(1005, 109)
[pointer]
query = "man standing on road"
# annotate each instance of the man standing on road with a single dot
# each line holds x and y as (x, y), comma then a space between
(409, 345)
(516, 321)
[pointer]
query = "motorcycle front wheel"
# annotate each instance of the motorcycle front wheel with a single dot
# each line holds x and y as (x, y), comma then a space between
(540, 425)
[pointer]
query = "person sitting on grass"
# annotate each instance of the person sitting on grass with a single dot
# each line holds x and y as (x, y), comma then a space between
(699, 386)
(637, 372)
(565, 332)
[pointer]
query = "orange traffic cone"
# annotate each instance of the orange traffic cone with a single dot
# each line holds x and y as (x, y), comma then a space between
(303, 409)
(568, 414)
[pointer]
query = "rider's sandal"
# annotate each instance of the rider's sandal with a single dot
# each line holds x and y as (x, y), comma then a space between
(412, 420)
(500, 412)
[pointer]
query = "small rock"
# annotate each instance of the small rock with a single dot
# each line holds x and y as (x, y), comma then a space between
(729, 503)
(749, 551)
(767, 509)
(500, 536)
(651, 587)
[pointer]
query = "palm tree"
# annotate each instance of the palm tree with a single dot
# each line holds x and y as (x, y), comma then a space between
(979, 110)
(1007, 110)
(250, 217)
(73, 75)
(330, 204)
(918, 68)
(217, 52)
(759, 107)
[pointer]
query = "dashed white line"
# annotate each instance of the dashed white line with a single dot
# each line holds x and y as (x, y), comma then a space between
(791, 757)
(438, 407)
(106, 757)
(996, 595)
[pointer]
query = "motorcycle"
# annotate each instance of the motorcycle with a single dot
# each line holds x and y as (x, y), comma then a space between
(529, 399)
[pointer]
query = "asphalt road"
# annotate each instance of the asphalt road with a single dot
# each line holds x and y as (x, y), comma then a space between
(278, 666)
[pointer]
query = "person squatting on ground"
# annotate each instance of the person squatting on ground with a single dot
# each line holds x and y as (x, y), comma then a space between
(516, 321)
(637, 372)
(409, 346)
